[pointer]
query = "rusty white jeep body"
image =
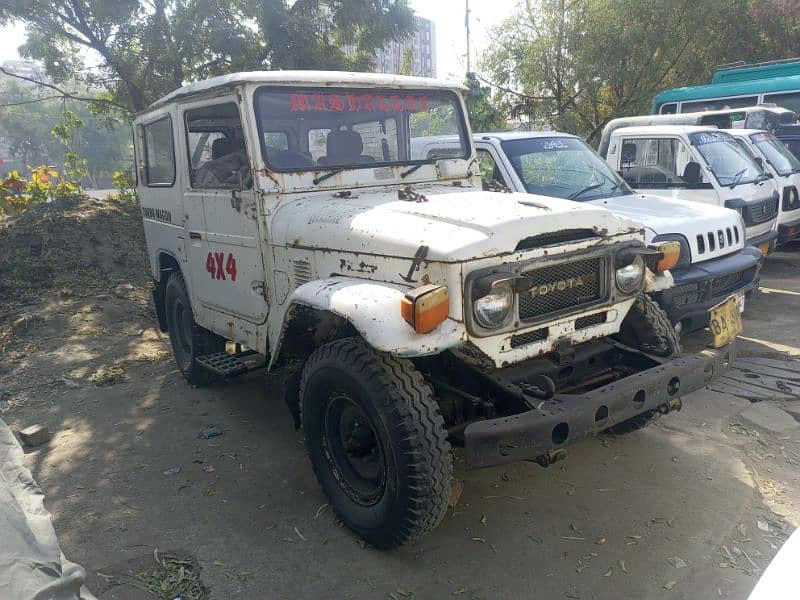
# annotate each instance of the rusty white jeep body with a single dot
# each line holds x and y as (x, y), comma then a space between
(295, 215)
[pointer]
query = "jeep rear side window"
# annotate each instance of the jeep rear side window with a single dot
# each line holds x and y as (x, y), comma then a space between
(216, 149)
(655, 163)
(355, 128)
(159, 153)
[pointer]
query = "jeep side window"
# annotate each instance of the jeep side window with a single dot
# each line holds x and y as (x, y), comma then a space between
(656, 163)
(217, 155)
(489, 169)
(159, 153)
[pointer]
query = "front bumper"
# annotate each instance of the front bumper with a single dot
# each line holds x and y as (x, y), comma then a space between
(706, 284)
(788, 231)
(768, 237)
(566, 418)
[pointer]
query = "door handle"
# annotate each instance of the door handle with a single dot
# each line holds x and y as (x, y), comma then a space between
(195, 235)
(236, 201)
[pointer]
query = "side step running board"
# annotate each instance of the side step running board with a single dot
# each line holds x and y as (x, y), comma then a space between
(227, 365)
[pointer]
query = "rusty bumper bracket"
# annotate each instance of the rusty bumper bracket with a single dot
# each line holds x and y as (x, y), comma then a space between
(566, 418)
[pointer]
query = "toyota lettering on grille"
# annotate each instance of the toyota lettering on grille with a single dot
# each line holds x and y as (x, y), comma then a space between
(560, 285)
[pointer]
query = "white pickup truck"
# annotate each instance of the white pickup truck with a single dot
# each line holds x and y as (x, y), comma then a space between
(784, 167)
(700, 164)
(563, 166)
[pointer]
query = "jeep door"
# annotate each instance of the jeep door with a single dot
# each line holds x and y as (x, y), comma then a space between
(225, 256)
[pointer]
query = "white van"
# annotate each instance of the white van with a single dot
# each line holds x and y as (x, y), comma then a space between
(700, 164)
(785, 170)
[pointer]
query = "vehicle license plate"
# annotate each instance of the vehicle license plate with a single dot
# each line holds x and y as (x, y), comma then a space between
(725, 320)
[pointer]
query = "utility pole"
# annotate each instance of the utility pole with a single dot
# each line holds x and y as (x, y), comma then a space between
(466, 24)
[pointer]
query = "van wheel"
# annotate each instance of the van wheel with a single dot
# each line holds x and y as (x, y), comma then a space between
(188, 339)
(646, 327)
(376, 441)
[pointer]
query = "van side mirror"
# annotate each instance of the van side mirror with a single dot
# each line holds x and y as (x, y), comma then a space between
(692, 174)
(759, 162)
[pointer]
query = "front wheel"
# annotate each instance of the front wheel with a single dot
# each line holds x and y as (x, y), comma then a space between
(187, 338)
(376, 441)
(647, 328)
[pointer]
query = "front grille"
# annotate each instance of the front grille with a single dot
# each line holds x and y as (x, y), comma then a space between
(722, 284)
(591, 320)
(761, 212)
(563, 286)
(523, 339)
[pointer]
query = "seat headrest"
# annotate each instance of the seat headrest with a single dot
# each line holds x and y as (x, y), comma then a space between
(628, 153)
(224, 146)
(343, 146)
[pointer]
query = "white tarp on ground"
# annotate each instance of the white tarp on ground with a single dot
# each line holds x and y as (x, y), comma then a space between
(31, 563)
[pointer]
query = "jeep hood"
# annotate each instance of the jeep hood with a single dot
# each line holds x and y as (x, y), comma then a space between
(457, 225)
(662, 215)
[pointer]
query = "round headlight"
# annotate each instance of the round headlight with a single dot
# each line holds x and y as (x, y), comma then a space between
(492, 309)
(629, 278)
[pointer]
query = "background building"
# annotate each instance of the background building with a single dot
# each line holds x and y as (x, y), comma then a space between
(422, 49)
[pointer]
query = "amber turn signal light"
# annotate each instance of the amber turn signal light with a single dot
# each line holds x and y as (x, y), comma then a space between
(670, 255)
(424, 308)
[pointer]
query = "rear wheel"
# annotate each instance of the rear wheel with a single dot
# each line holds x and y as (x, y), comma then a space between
(188, 339)
(376, 441)
(647, 328)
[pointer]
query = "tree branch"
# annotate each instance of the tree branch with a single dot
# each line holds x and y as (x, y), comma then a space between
(66, 94)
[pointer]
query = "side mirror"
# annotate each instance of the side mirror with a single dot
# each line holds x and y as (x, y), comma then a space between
(692, 173)
(759, 162)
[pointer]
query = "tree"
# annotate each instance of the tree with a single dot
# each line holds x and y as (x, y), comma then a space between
(141, 49)
(576, 64)
(38, 128)
(483, 114)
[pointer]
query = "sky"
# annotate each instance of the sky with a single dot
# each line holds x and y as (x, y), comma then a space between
(447, 14)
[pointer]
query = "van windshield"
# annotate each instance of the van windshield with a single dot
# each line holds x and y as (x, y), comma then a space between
(777, 154)
(730, 164)
(563, 167)
(305, 128)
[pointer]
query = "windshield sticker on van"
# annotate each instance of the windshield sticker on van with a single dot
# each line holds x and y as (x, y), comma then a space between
(554, 145)
(332, 102)
(708, 137)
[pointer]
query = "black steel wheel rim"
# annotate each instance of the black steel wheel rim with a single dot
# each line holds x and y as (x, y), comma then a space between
(353, 450)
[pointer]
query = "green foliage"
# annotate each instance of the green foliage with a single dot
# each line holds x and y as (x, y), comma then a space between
(484, 115)
(43, 184)
(126, 190)
(576, 64)
(407, 67)
(148, 48)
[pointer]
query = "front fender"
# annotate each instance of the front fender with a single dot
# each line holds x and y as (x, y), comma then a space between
(373, 308)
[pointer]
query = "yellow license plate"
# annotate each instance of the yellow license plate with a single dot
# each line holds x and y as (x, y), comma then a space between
(764, 248)
(725, 321)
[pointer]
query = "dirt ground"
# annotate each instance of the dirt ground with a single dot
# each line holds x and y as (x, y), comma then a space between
(693, 507)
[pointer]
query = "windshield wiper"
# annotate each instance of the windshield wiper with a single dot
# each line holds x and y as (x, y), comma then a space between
(328, 175)
(408, 172)
(583, 190)
(737, 176)
(432, 160)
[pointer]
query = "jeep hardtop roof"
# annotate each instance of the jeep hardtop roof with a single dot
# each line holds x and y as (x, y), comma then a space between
(505, 136)
(665, 129)
(304, 78)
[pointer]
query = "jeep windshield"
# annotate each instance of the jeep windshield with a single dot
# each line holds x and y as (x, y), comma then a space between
(777, 154)
(328, 130)
(563, 167)
(729, 163)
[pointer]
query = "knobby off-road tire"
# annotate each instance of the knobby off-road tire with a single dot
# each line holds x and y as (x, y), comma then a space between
(376, 441)
(188, 339)
(646, 327)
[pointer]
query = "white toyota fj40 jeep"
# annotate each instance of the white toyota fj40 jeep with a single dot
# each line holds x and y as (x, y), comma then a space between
(404, 307)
